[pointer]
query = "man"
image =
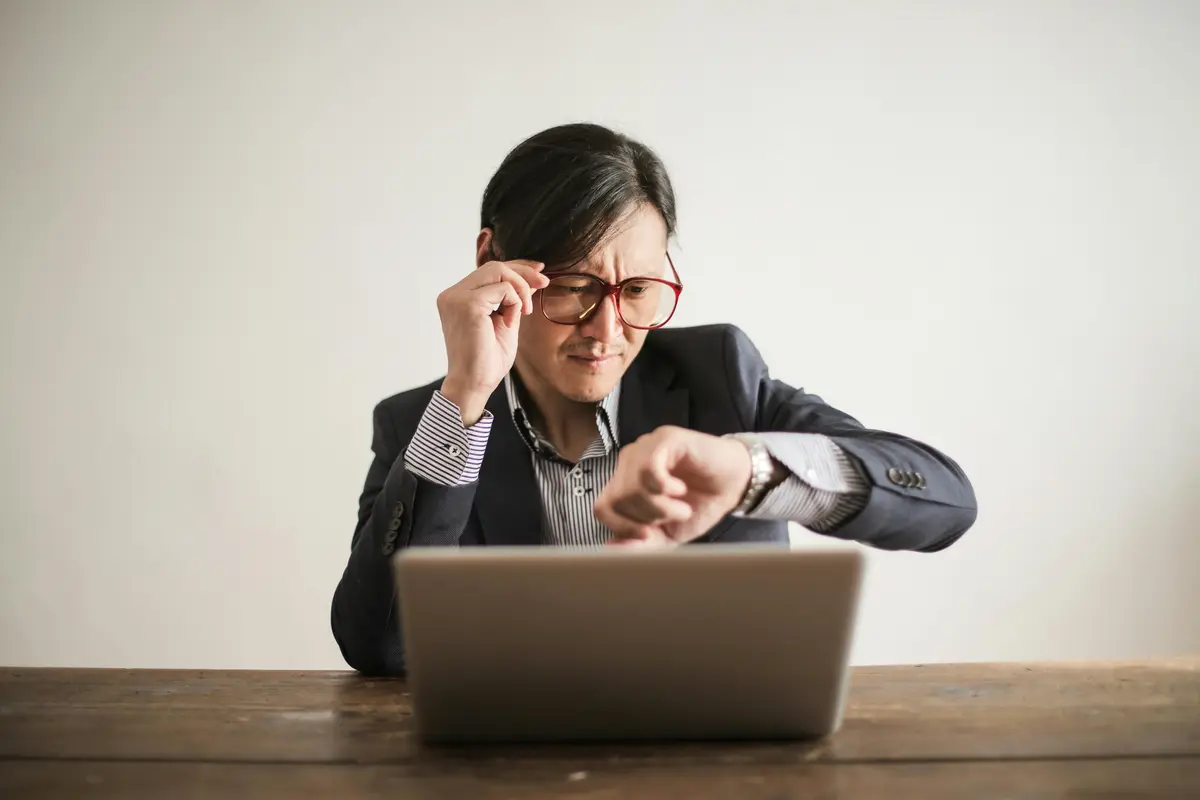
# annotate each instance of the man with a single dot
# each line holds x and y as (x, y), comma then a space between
(567, 417)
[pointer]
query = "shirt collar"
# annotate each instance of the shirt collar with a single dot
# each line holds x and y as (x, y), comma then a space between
(606, 418)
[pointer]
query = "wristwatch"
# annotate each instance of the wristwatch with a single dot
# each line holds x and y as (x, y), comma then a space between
(762, 468)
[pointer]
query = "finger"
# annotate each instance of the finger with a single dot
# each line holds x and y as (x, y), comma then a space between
(603, 512)
(510, 312)
(535, 280)
(647, 538)
(660, 540)
(502, 303)
(525, 276)
(656, 476)
(531, 275)
(492, 296)
(518, 282)
(530, 271)
(653, 509)
(606, 513)
(628, 531)
(496, 271)
(627, 543)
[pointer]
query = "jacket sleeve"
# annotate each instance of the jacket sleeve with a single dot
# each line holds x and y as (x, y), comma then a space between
(918, 498)
(397, 509)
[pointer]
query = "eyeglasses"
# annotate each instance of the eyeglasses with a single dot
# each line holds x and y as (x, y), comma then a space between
(572, 298)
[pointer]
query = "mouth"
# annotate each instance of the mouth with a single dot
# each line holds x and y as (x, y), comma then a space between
(592, 362)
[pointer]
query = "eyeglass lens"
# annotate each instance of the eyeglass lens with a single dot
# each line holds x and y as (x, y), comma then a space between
(572, 299)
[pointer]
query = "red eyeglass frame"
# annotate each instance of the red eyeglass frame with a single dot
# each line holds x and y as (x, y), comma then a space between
(613, 289)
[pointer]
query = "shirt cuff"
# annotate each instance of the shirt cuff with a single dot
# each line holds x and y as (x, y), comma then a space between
(824, 488)
(443, 450)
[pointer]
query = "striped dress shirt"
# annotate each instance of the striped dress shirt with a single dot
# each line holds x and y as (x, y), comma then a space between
(824, 488)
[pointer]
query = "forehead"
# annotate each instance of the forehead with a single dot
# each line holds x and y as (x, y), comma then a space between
(638, 247)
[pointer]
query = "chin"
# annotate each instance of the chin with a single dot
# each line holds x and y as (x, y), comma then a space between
(589, 385)
(587, 391)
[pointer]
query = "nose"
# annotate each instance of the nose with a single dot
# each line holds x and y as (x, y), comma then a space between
(604, 325)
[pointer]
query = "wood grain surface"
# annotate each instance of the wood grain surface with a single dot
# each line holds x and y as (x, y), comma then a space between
(1011, 730)
(1174, 778)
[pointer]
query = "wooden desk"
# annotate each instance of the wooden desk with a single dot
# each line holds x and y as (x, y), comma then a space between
(1009, 730)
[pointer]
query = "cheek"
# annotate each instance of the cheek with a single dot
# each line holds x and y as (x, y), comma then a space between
(634, 339)
(539, 337)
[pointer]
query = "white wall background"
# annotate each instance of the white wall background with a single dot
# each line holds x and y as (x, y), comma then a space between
(224, 225)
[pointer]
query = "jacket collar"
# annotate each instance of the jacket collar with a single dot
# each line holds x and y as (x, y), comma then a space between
(507, 499)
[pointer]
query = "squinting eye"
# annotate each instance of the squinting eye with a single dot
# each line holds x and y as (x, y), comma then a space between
(638, 290)
(566, 286)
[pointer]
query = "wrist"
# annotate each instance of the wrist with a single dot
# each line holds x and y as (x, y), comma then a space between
(761, 473)
(471, 404)
(744, 471)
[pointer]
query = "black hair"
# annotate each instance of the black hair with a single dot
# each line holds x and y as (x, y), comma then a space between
(560, 193)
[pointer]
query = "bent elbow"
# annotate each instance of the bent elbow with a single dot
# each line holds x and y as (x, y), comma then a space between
(960, 522)
(361, 651)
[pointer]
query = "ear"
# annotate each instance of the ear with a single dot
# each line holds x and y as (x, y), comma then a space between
(483, 247)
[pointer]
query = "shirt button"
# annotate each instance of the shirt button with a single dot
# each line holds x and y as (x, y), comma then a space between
(577, 491)
(577, 473)
(453, 450)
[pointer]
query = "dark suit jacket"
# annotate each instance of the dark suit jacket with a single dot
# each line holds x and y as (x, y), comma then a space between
(710, 379)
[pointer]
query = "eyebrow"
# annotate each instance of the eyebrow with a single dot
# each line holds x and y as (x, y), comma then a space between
(587, 269)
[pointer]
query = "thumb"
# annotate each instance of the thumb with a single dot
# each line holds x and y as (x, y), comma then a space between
(659, 476)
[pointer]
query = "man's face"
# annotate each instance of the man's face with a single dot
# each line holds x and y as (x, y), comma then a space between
(584, 362)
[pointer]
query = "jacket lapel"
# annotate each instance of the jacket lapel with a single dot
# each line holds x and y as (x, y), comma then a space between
(509, 506)
(649, 398)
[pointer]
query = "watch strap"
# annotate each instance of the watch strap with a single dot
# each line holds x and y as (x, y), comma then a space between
(762, 468)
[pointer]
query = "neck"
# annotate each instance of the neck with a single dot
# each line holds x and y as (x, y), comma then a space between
(567, 424)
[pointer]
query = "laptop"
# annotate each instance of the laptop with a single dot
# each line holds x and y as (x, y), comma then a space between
(542, 644)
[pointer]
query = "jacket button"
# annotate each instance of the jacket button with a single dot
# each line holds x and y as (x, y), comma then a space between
(397, 511)
(391, 536)
(920, 481)
(389, 548)
(896, 476)
(394, 525)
